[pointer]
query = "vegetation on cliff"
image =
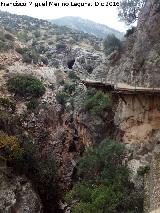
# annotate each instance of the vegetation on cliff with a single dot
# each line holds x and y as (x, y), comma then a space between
(111, 43)
(61, 98)
(32, 104)
(24, 155)
(129, 10)
(41, 169)
(20, 150)
(7, 104)
(26, 86)
(96, 102)
(10, 146)
(104, 184)
(6, 41)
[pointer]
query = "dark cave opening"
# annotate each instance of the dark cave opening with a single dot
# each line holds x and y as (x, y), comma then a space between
(70, 63)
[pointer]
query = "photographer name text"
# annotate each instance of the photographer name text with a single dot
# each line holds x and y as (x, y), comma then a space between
(57, 4)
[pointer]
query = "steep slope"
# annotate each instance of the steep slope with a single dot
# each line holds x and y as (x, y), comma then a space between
(17, 194)
(59, 45)
(58, 57)
(86, 26)
(137, 114)
(138, 62)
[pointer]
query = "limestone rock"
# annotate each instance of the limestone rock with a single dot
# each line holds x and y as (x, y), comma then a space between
(17, 194)
(139, 61)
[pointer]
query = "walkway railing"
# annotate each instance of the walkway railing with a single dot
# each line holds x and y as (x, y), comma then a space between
(122, 86)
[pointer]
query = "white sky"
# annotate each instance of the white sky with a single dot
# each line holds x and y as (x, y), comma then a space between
(100, 14)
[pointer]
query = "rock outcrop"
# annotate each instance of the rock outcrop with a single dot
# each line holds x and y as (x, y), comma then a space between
(139, 61)
(152, 184)
(17, 194)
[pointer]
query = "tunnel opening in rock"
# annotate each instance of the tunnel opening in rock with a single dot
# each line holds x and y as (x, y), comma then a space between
(70, 63)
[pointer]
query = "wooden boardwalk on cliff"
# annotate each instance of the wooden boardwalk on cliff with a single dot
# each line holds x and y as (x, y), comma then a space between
(121, 88)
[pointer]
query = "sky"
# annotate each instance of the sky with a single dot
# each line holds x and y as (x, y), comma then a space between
(100, 13)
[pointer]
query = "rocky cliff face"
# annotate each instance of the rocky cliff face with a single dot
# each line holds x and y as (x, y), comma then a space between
(138, 63)
(152, 183)
(56, 53)
(17, 194)
(138, 118)
(138, 115)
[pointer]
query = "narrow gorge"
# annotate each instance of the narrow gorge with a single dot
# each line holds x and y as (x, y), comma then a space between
(79, 130)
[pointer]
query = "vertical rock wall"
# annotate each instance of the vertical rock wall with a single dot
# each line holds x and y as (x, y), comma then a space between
(138, 117)
(152, 184)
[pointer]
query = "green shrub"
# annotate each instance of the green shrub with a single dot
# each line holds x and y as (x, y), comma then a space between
(72, 75)
(3, 46)
(69, 88)
(26, 86)
(32, 104)
(31, 56)
(9, 37)
(9, 123)
(50, 43)
(143, 170)
(10, 147)
(27, 58)
(104, 184)
(97, 103)
(10, 30)
(1, 34)
(23, 36)
(22, 50)
(28, 55)
(37, 34)
(62, 82)
(34, 56)
(7, 104)
(96, 159)
(130, 32)
(62, 97)
(111, 43)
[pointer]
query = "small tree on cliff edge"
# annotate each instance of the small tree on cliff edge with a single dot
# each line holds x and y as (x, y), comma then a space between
(129, 10)
(111, 43)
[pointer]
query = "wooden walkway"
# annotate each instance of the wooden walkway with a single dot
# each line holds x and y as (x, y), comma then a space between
(120, 87)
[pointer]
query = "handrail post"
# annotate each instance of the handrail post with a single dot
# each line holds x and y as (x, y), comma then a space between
(116, 86)
(153, 80)
(115, 81)
(135, 84)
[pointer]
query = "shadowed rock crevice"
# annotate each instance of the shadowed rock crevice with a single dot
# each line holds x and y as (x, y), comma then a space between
(70, 64)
